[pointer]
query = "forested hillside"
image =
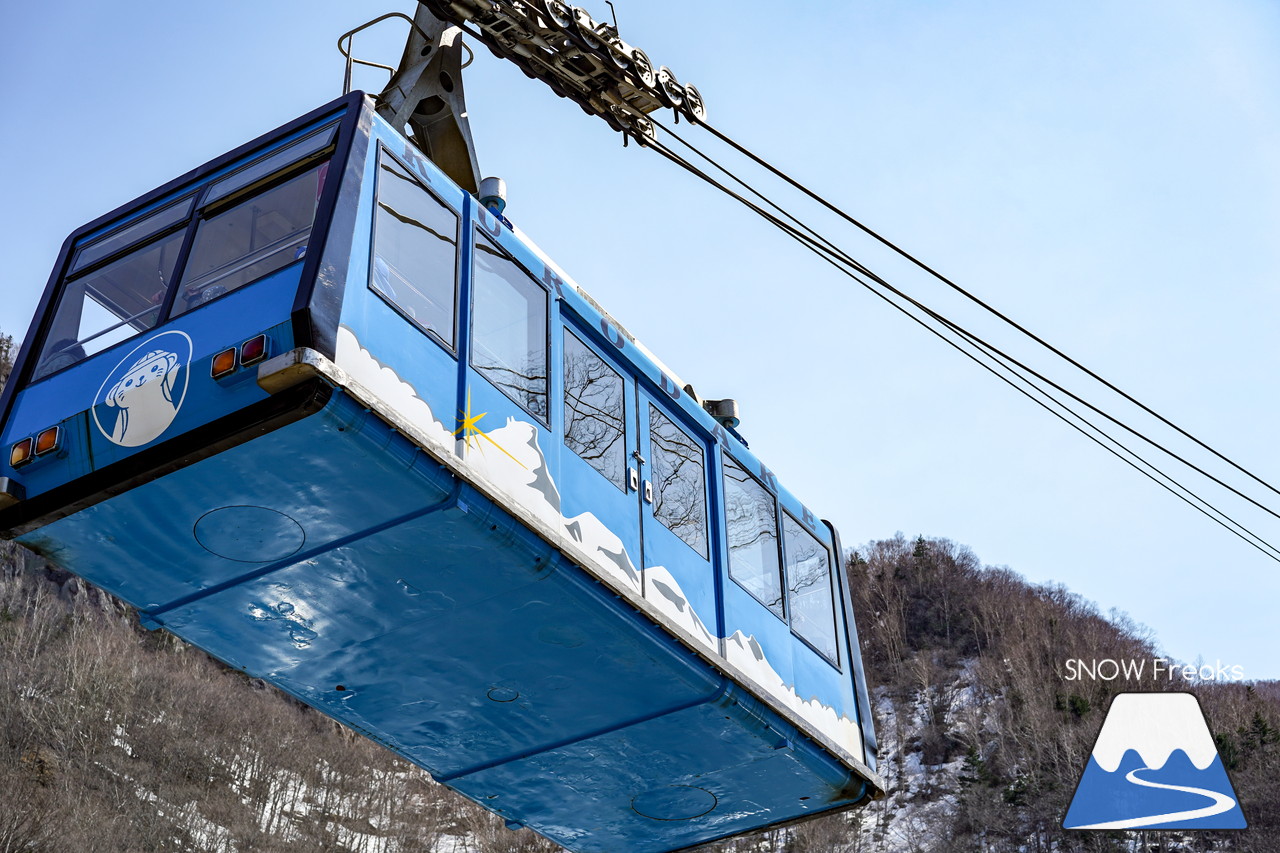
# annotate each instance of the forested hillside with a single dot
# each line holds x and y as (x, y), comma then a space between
(117, 739)
(983, 735)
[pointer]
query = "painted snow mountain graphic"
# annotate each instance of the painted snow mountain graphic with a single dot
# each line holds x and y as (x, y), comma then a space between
(1154, 766)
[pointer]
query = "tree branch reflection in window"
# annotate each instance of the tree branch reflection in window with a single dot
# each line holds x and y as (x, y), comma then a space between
(809, 589)
(594, 411)
(752, 523)
(679, 481)
(509, 320)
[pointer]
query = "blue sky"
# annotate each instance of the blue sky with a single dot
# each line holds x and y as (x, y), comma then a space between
(1104, 173)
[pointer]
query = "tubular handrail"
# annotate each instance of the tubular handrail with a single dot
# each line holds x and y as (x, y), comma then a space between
(351, 60)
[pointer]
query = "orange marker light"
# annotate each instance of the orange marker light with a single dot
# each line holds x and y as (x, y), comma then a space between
(21, 453)
(224, 363)
(253, 350)
(47, 440)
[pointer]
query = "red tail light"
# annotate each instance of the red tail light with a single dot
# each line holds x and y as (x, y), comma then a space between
(253, 350)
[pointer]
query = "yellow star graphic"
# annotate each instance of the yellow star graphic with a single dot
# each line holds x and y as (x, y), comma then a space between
(467, 426)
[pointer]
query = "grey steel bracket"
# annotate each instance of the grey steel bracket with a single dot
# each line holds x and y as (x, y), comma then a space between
(424, 97)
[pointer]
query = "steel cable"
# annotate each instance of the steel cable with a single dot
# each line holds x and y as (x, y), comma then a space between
(976, 300)
(844, 263)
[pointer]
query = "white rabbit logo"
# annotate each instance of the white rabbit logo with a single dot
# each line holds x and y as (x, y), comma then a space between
(146, 396)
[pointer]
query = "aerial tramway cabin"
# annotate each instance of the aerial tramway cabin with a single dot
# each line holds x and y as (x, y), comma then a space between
(315, 410)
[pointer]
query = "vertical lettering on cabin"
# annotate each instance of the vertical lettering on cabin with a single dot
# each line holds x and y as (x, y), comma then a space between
(719, 433)
(769, 478)
(490, 223)
(808, 519)
(614, 335)
(669, 386)
(553, 281)
(419, 165)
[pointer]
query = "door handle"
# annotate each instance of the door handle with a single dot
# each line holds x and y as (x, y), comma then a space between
(633, 479)
(648, 492)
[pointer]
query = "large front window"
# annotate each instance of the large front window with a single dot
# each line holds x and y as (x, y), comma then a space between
(251, 223)
(250, 241)
(110, 304)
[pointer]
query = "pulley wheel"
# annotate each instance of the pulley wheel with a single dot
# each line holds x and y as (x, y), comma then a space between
(643, 131)
(619, 56)
(670, 92)
(643, 68)
(586, 28)
(694, 106)
(557, 13)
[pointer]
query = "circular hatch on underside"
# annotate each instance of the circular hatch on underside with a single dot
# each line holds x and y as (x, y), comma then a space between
(674, 802)
(249, 534)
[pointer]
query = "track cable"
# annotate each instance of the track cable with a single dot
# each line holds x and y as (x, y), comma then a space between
(725, 138)
(849, 266)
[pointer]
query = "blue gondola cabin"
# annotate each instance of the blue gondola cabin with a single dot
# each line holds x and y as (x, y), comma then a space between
(313, 409)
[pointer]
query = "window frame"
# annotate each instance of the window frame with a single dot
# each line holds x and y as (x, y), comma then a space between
(479, 235)
(701, 447)
(205, 213)
(832, 586)
(308, 156)
(583, 340)
(70, 267)
(451, 348)
(785, 616)
(77, 267)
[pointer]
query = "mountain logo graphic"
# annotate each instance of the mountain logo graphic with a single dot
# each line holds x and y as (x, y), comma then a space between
(1154, 766)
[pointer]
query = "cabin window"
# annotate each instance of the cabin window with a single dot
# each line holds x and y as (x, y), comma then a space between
(594, 411)
(679, 481)
(251, 223)
(250, 241)
(415, 251)
(164, 219)
(109, 305)
(243, 180)
(809, 588)
(752, 524)
(509, 328)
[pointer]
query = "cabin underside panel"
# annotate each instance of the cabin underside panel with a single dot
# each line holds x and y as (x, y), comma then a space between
(336, 560)
(709, 771)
